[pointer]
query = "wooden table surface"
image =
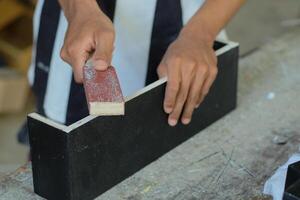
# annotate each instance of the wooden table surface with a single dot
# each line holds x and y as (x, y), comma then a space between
(232, 158)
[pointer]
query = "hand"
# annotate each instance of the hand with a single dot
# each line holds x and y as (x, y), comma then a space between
(90, 32)
(190, 64)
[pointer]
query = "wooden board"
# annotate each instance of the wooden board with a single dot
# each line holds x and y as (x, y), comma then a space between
(89, 157)
(10, 10)
(16, 43)
(13, 91)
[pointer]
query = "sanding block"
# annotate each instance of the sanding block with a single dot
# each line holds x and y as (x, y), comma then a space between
(103, 92)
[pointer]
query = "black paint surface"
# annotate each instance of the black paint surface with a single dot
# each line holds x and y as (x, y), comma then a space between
(292, 184)
(103, 152)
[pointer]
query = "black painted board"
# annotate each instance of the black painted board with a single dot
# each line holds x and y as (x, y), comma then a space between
(292, 183)
(106, 150)
(49, 157)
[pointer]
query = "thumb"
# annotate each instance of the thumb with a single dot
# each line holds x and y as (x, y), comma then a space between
(77, 63)
(100, 64)
(102, 56)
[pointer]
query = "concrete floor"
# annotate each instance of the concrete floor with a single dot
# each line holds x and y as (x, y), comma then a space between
(257, 23)
(13, 154)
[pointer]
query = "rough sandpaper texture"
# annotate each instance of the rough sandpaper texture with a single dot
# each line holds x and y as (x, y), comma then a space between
(103, 91)
(86, 159)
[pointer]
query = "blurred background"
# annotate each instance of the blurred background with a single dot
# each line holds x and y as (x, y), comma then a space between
(257, 23)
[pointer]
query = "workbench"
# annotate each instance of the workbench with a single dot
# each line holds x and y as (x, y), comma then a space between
(232, 158)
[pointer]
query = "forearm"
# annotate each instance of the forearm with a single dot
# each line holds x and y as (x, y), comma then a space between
(211, 18)
(73, 8)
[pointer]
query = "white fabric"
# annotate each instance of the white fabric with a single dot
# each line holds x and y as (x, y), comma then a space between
(275, 185)
(36, 25)
(59, 79)
(189, 8)
(133, 24)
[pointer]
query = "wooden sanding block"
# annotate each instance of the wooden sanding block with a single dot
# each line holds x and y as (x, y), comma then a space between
(103, 92)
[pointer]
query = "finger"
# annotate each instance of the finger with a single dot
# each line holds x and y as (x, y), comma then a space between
(100, 64)
(213, 71)
(172, 88)
(181, 99)
(103, 51)
(200, 100)
(193, 95)
(76, 56)
(162, 70)
(210, 79)
(206, 87)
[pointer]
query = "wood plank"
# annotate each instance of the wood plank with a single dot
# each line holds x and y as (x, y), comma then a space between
(16, 44)
(13, 91)
(91, 156)
(10, 10)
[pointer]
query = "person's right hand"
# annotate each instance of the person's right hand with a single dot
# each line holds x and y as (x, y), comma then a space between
(90, 32)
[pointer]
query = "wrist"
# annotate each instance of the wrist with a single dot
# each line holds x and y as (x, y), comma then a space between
(78, 8)
(199, 32)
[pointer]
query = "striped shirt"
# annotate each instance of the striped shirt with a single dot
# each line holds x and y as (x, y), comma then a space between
(144, 30)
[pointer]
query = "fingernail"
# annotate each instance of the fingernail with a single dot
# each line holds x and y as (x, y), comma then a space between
(172, 122)
(100, 64)
(168, 110)
(186, 121)
(197, 106)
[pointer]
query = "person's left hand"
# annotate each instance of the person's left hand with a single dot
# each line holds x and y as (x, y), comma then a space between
(190, 64)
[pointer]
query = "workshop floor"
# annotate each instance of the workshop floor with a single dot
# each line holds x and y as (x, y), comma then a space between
(257, 23)
(12, 154)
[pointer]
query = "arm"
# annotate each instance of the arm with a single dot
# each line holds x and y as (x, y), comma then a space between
(89, 31)
(212, 17)
(190, 62)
